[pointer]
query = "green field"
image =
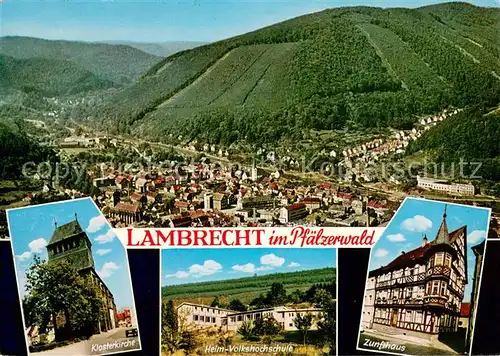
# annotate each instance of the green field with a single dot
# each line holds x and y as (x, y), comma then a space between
(247, 288)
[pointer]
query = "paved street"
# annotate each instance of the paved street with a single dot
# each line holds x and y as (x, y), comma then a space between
(114, 340)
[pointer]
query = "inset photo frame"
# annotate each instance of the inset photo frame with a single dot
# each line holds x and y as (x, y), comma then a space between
(73, 279)
(423, 280)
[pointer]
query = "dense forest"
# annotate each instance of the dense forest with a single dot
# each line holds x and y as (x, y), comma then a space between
(302, 280)
(119, 64)
(48, 77)
(17, 148)
(353, 68)
(471, 137)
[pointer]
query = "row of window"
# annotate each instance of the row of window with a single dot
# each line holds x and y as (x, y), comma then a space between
(203, 318)
(59, 248)
(202, 309)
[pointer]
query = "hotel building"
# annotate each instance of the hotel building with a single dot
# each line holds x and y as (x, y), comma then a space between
(420, 292)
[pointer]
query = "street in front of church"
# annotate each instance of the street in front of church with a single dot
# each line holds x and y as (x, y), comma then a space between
(113, 337)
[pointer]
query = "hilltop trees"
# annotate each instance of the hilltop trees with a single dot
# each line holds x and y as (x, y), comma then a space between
(277, 295)
(237, 305)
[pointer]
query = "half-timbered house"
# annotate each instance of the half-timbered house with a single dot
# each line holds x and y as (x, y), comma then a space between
(420, 292)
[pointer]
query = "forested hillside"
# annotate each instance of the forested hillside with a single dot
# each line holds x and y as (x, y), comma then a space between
(117, 63)
(356, 67)
(471, 137)
(48, 77)
(248, 288)
(16, 147)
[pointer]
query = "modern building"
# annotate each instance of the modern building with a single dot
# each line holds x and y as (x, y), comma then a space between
(443, 186)
(421, 291)
(70, 243)
(207, 316)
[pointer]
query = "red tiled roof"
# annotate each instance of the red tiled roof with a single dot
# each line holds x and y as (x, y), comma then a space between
(465, 310)
(374, 204)
(295, 206)
(344, 195)
(415, 254)
(310, 200)
(410, 256)
(127, 207)
(325, 186)
(181, 204)
(136, 196)
(119, 179)
(181, 221)
(196, 214)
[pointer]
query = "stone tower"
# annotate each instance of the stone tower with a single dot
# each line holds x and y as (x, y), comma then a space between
(71, 243)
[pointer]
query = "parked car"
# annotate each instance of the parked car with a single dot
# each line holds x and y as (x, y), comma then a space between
(132, 332)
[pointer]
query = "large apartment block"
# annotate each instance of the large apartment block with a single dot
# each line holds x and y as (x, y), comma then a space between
(206, 316)
(420, 292)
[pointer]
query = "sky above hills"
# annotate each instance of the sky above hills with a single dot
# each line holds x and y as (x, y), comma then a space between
(200, 265)
(163, 20)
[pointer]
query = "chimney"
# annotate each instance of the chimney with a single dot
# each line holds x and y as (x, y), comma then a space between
(55, 223)
(424, 241)
(402, 253)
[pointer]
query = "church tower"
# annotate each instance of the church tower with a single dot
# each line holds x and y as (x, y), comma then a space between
(442, 236)
(71, 243)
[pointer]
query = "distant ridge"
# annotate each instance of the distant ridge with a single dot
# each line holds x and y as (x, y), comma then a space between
(160, 49)
(117, 63)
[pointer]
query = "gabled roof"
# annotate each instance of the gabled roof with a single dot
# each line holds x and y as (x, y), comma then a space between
(65, 231)
(411, 257)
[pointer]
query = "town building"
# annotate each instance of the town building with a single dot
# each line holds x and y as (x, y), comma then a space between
(420, 292)
(257, 202)
(127, 212)
(463, 322)
(220, 201)
(70, 243)
(312, 203)
(368, 304)
(207, 316)
(292, 212)
(446, 187)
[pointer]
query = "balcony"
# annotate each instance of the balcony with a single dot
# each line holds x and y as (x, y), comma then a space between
(436, 300)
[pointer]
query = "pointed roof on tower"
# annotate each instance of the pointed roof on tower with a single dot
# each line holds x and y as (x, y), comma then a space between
(442, 236)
